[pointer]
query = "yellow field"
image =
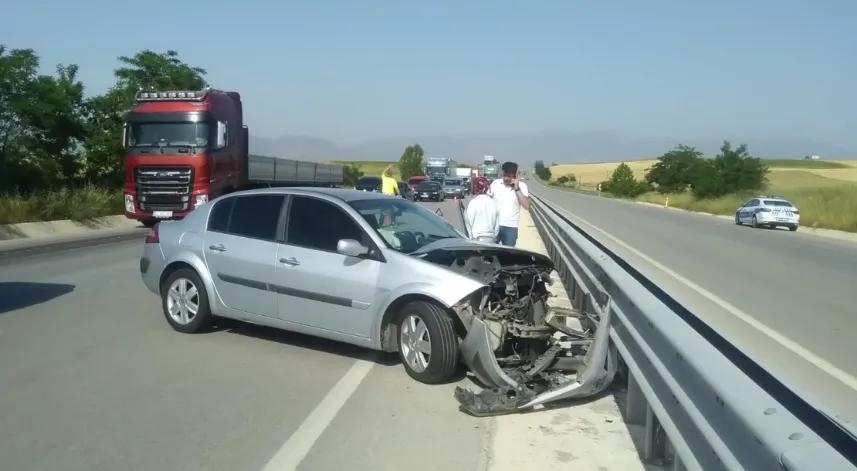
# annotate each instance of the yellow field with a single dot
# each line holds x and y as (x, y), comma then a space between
(826, 197)
(589, 175)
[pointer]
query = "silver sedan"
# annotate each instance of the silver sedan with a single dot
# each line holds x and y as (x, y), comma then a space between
(363, 268)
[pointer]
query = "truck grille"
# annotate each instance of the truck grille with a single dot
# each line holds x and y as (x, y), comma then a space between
(164, 188)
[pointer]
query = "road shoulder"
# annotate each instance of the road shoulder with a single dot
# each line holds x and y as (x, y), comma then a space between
(588, 435)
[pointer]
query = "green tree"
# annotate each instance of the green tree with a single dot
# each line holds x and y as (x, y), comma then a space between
(351, 173)
(622, 183)
(673, 173)
(731, 171)
(143, 71)
(411, 163)
(541, 171)
(41, 123)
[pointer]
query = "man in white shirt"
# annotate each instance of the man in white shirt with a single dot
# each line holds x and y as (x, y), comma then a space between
(510, 195)
(482, 214)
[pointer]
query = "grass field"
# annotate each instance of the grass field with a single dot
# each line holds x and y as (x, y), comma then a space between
(825, 191)
(370, 167)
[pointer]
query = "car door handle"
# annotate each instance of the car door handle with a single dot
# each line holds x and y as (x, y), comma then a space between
(217, 248)
(290, 261)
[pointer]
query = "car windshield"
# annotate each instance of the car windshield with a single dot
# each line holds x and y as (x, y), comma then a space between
(405, 227)
(427, 186)
(782, 203)
(453, 183)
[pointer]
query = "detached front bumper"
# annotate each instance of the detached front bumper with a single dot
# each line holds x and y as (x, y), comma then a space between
(510, 390)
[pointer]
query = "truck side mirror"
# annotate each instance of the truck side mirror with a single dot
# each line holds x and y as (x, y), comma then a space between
(221, 134)
(125, 135)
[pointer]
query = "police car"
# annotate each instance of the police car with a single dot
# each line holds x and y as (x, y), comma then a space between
(768, 211)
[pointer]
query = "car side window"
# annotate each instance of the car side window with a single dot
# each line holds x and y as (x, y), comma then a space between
(218, 218)
(320, 225)
(256, 216)
(753, 203)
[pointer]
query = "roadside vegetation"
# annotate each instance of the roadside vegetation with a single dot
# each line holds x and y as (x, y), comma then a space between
(60, 150)
(825, 191)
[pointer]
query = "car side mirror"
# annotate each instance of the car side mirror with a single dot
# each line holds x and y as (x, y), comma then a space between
(439, 212)
(351, 248)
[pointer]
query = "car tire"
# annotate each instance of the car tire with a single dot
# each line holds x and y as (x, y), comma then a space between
(436, 328)
(793, 228)
(737, 221)
(181, 320)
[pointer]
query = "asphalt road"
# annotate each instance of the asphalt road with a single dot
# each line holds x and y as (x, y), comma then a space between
(94, 379)
(788, 299)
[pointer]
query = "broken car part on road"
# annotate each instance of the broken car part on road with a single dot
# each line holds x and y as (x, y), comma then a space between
(524, 352)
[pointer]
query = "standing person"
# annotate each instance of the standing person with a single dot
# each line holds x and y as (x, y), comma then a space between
(510, 195)
(389, 186)
(482, 214)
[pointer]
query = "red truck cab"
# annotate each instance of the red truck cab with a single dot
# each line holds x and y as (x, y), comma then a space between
(182, 149)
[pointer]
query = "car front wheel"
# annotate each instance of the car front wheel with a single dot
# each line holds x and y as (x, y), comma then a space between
(428, 344)
(737, 220)
(185, 302)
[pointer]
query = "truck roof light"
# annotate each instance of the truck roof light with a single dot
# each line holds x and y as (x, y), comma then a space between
(173, 95)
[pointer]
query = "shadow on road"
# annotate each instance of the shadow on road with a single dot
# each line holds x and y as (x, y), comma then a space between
(316, 343)
(16, 295)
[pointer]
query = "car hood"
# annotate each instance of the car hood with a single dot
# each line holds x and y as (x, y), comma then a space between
(510, 255)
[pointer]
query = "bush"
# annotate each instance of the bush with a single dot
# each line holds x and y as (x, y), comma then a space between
(623, 184)
(562, 180)
(75, 204)
(542, 172)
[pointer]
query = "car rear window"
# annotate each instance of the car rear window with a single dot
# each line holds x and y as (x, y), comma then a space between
(369, 181)
(778, 203)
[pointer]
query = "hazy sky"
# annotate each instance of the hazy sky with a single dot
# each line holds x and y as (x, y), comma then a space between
(359, 70)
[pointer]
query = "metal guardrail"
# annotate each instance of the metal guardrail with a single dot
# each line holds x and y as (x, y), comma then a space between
(703, 403)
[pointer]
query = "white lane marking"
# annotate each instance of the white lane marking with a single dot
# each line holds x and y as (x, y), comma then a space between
(821, 363)
(290, 455)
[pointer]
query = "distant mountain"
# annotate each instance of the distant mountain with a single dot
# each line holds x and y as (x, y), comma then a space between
(591, 146)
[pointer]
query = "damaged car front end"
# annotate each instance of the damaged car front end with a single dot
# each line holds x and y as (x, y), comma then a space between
(522, 351)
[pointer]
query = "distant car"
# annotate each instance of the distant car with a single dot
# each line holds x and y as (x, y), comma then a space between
(362, 268)
(768, 211)
(429, 191)
(405, 191)
(454, 188)
(415, 181)
(368, 184)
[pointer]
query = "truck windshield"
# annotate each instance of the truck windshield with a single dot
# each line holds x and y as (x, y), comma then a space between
(168, 134)
(436, 171)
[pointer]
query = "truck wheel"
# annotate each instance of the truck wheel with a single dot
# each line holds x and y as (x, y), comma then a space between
(149, 223)
(185, 302)
(428, 344)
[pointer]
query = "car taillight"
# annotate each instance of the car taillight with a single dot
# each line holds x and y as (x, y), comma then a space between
(153, 237)
(765, 210)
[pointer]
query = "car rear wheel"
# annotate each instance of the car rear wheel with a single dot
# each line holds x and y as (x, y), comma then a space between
(428, 344)
(793, 228)
(185, 302)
